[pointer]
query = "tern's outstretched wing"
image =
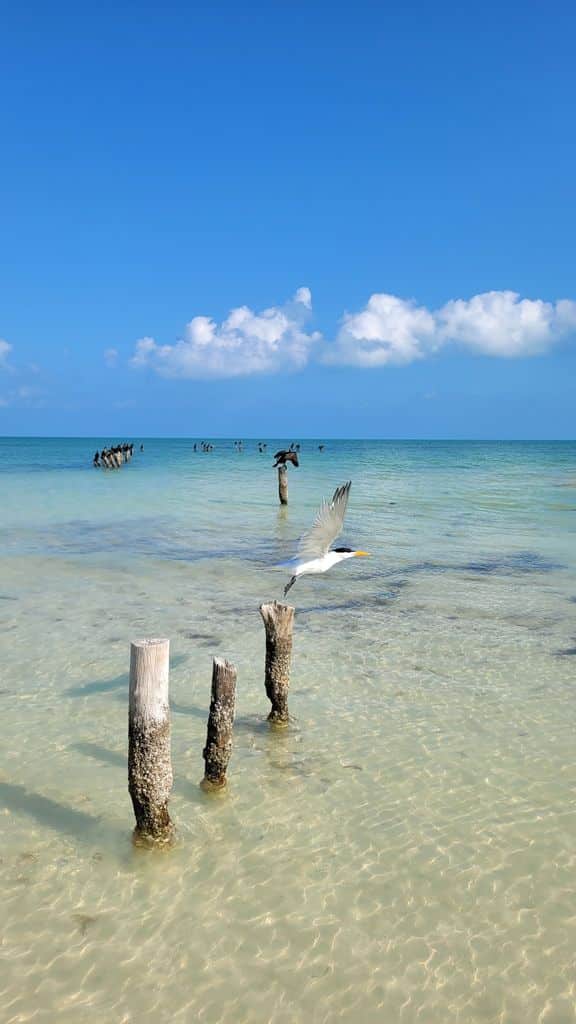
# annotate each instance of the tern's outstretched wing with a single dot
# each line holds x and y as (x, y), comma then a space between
(328, 525)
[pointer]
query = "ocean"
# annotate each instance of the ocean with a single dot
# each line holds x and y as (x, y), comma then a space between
(404, 851)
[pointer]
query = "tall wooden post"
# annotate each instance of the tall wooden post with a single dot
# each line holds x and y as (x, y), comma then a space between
(218, 749)
(283, 485)
(149, 759)
(279, 624)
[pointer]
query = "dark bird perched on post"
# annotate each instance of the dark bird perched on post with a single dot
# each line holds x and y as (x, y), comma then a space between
(285, 456)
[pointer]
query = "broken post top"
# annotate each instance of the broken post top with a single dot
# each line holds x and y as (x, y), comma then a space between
(275, 607)
(223, 663)
(278, 616)
(223, 681)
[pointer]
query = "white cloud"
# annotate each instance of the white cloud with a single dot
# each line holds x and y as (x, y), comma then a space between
(145, 349)
(304, 295)
(387, 330)
(245, 343)
(5, 349)
(498, 323)
(503, 324)
(111, 356)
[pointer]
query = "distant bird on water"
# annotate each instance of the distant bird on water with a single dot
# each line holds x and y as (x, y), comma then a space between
(314, 552)
(284, 456)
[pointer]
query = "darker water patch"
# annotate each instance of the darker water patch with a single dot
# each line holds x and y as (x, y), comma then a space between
(354, 604)
(203, 639)
(157, 537)
(344, 606)
(567, 652)
(518, 563)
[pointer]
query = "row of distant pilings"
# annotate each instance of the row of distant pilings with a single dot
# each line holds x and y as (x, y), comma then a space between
(150, 776)
(114, 457)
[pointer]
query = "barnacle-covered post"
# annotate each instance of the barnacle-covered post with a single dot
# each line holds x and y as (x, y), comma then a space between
(279, 625)
(149, 757)
(218, 749)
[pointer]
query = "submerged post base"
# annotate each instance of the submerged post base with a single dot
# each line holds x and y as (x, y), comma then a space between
(160, 840)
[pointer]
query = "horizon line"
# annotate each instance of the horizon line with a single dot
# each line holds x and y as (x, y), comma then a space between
(320, 437)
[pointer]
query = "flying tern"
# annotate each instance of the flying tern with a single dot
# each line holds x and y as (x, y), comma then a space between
(314, 552)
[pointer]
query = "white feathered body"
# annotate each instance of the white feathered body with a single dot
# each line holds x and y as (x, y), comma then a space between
(317, 565)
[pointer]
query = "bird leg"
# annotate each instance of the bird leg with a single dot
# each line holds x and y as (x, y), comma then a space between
(290, 584)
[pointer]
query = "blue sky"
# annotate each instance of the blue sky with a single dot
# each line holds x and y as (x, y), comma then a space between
(164, 165)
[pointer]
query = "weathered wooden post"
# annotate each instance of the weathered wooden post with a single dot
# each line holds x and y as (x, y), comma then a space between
(218, 747)
(279, 624)
(149, 759)
(283, 485)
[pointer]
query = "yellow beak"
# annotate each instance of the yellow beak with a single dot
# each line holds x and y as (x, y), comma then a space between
(362, 554)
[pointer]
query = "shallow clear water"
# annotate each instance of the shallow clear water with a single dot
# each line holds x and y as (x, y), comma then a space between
(405, 851)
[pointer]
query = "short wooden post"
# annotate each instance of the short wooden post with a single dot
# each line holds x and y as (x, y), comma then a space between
(283, 485)
(279, 624)
(218, 749)
(149, 759)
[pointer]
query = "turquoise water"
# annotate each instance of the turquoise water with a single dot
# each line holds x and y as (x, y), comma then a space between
(405, 850)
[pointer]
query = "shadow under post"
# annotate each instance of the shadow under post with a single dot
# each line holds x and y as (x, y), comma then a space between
(59, 817)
